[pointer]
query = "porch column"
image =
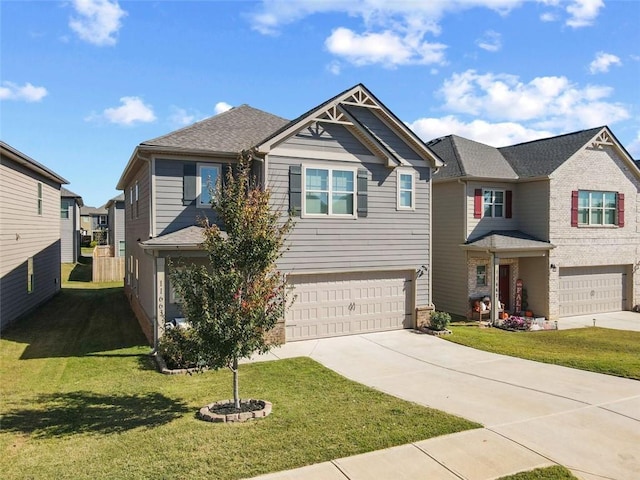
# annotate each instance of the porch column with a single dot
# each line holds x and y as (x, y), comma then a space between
(160, 290)
(495, 283)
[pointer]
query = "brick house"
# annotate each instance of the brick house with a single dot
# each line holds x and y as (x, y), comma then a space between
(561, 214)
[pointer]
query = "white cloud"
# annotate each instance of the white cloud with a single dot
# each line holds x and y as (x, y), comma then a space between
(26, 92)
(97, 21)
(334, 67)
(132, 111)
(496, 134)
(222, 107)
(393, 33)
(181, 117)
(583, 12)
(544, 102)
(386, 48)
(603, 62)
(490, 41)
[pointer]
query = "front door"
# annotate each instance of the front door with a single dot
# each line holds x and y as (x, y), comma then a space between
(504, 285)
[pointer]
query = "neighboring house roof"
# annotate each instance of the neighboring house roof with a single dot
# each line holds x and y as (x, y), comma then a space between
(118, 198)
(65, 193)
(188, 238)
(17, 156)
(538, 158)
(229, 132)
(541, 157)
(501, 240)
(464, 157)
(93, 211)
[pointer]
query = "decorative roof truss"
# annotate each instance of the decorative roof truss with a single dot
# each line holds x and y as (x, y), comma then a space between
(603, 139)
(332, 115)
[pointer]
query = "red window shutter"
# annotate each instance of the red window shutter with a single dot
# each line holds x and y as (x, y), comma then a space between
(477, 203)
(621, 209)
(509, 200)
(574, 208)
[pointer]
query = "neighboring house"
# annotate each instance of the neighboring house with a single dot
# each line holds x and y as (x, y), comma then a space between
(29, 234)
(115, 225)
(560, 214)
(94, 225)
(358, 180)
(70, 238)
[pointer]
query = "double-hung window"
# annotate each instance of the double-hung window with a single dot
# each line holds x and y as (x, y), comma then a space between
(406, 191)
(493, 201)
(597, 208)
(208, 175)
(39, 199)
(64, 208)
(481, 275)
(330, 191)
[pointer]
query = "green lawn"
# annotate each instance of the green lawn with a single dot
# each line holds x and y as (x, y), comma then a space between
(80, 399)
(602, 350)
(548, 473)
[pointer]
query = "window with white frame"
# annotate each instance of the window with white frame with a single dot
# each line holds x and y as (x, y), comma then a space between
(208, 174)
(329, 191)
(597, 208)
(493, 201)
(30, 275)
(39, 199)
(65, 204)
(481, 275)
(121, 248)
(406, 191)
(137, 198)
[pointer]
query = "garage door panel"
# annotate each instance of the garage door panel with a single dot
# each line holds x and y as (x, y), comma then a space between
(343, 304)
(589, 290)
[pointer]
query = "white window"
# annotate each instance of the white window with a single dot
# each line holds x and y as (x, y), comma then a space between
(121, 248)
(137, 197)
(597, 208)
(208, 174)
(481, 275)
(102, 220)
(493, 201)
(64, 208)
(329, 191)
(406, 191)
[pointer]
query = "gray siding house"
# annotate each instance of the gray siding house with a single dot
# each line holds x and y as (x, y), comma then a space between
(115, 225)
(358, 181)
(70, 237)
(556, 219)
(29, 234)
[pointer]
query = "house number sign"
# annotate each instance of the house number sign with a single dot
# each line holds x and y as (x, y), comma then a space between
(518, 295)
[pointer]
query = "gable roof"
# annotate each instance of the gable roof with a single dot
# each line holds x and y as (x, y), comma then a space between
(86, 210)
(537, 158)
(229, 132)
(65, 193)
(464, 157)
(28, 162)
(542, 157)
(343, 109)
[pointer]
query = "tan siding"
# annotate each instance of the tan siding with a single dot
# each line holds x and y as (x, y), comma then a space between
(449, 260)
(531, 208)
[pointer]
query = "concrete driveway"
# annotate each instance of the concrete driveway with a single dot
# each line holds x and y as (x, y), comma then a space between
(615, 320)
(588, 422)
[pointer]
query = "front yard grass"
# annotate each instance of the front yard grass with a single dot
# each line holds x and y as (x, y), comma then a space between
(601, 350)
(81, 399)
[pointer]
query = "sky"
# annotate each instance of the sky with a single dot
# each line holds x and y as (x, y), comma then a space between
(82, 82)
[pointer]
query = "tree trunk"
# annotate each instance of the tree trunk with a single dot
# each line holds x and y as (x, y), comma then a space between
(236, 391)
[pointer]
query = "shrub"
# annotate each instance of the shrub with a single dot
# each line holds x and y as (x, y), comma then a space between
(93, 243)
(439, 320)
(516, 323)
(179, 349)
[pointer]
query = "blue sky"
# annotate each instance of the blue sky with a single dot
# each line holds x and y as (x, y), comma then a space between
(82, 82)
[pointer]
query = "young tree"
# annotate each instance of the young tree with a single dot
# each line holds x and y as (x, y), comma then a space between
(235, 300)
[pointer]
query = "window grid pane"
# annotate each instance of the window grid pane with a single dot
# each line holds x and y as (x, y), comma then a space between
(597, 208)
(324, 197)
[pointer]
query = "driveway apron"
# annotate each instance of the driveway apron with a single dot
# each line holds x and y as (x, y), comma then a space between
(586, 421)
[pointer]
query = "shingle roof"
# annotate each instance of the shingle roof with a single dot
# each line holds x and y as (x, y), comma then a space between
(66, 193)
(464, 157)
(188, 238)
(542, 157)
(228, 132)
(86, 210)
(500, 240)
(30, 163)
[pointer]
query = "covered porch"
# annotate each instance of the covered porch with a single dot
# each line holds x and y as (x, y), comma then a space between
(511, 269)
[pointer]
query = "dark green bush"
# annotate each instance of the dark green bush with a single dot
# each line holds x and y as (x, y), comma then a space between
(178, 348)
(439, 320)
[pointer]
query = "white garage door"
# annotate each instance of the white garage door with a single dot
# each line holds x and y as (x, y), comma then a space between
(587, 290)
(330, 305)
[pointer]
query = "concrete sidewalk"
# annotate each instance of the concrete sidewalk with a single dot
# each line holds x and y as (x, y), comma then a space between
(534, 414)
(616, 320)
